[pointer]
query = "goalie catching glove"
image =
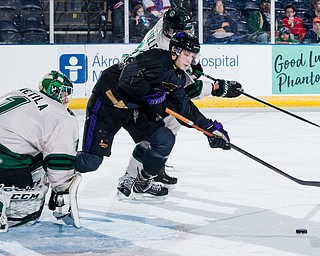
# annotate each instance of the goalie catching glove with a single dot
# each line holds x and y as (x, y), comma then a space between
(227, 89)
(220, 138)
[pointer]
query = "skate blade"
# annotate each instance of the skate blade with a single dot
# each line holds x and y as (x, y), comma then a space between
(147, 197)
(140, 197)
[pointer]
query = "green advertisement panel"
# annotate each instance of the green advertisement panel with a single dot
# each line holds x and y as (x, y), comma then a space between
(295, 69)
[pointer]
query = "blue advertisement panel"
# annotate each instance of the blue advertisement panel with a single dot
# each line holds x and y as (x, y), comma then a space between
(296, 69)
(74, 66)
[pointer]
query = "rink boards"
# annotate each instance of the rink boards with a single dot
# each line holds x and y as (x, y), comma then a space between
(284, 75)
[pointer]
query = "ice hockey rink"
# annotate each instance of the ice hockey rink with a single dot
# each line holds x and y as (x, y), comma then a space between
(224, 204)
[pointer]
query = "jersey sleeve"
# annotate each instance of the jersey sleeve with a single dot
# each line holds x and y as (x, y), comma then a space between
(59, 151)
(198, 89)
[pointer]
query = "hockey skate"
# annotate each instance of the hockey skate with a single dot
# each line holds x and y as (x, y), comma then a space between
(67, 205)
(125, 185)
(148, 189)
(166, 180)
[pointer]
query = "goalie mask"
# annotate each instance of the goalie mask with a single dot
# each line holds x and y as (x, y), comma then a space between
(177, 19)
(57, 86)
(185, 41)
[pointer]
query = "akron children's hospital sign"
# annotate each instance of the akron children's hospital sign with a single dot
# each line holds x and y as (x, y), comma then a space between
(296, 70)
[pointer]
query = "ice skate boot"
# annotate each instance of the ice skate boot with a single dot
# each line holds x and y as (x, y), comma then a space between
(166, 180)
(148, 188)
(125, 184)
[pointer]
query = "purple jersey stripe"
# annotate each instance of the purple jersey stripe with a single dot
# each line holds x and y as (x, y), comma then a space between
(92, 125)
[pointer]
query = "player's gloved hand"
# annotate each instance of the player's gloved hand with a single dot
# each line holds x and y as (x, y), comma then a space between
(56, 199)
(156, 101)
(220, 138)
(197, 70)
(227, 89)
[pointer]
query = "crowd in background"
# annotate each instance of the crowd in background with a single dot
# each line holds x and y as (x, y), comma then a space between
(232, 21)
(224, 21)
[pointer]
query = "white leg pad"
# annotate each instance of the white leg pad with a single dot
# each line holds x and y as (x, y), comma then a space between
(68, 211)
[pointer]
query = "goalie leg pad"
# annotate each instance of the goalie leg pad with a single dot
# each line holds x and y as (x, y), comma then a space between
(26, 205)
(67, 208)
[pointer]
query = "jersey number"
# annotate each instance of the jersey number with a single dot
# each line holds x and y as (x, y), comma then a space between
(12, 103)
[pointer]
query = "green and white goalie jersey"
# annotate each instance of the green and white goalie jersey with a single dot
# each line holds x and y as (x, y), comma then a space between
(32, 124)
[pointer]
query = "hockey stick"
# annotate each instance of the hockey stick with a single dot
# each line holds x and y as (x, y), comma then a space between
(275, 169)
(264, 102)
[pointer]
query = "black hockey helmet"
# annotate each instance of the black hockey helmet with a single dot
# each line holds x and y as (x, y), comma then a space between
(177, 18)
(185, 41)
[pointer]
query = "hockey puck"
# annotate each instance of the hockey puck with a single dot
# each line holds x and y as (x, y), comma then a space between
(301, 231)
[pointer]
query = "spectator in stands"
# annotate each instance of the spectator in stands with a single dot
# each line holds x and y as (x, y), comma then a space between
(313, 35)
(313, 12)
(140, 24)
(316, 7)
(293, 22)
(285, 37)
(117, 17)
(156, 7)
(219, 27)
(259, 24)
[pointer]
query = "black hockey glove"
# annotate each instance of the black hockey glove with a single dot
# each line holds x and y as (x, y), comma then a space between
(156, 102)
(227, 89)
(197, 70)
(56, 199)
(220, 138)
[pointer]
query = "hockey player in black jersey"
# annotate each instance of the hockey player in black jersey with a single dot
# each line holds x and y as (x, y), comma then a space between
(175, 19)
(135, 98)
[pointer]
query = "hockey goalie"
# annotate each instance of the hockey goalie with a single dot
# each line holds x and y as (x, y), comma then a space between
(38, 143)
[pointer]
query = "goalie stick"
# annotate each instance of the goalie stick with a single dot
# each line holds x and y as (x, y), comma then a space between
(190, 123)
(67, 204)
(265, 103)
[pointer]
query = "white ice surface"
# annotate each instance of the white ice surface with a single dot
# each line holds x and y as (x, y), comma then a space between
(224, 204)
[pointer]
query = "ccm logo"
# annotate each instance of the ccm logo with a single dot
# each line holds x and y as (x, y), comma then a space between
(25, 196)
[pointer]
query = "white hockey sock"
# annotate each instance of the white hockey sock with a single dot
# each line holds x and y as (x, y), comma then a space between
(133, 167)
